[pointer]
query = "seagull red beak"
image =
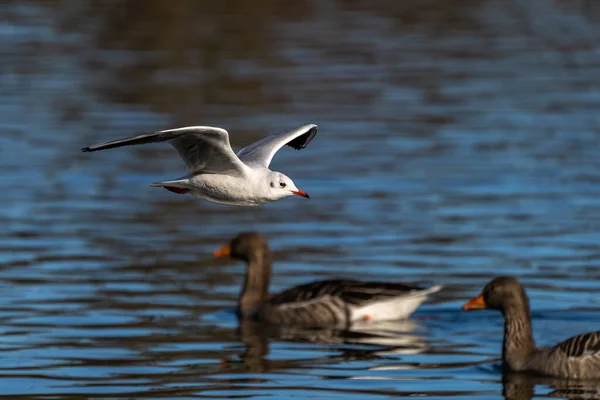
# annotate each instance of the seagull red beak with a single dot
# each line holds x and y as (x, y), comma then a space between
(301, 193)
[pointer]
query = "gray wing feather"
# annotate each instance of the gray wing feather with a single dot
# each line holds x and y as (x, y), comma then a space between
(322, 310)
(586, 344)
(349, 291)
(205, 149)
(262, 152)
(328, 302)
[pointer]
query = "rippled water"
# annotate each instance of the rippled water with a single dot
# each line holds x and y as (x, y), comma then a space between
(457, 141)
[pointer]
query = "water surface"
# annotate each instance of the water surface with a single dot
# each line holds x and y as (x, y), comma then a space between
(457, 141)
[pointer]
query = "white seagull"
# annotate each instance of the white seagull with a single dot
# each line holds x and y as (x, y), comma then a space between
(216, 173)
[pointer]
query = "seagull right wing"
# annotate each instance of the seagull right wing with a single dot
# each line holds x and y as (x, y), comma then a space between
(262, 152)
(205, 149)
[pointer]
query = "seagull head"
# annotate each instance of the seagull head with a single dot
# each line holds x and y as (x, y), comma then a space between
(280, 186)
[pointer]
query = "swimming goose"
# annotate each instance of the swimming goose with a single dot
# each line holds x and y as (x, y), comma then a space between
(338, 302)
(576, 358)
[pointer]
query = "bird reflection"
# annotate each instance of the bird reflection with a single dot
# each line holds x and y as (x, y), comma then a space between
(520, 386)
(381, 339)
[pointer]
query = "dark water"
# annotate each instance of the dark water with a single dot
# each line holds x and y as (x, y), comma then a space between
(457, 140)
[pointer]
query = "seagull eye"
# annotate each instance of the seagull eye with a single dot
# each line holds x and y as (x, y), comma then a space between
(282, 184)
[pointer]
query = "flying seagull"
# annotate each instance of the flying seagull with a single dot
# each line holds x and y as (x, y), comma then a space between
(216, 173)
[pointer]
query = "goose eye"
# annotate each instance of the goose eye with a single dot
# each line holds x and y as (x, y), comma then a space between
(282, 184)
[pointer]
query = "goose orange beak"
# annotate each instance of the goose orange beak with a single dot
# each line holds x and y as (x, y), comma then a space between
(224, 251)
(476, 303)
(301, 193)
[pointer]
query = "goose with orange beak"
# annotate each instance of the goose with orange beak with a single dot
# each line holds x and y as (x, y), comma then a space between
(335, 302)
(574, 358)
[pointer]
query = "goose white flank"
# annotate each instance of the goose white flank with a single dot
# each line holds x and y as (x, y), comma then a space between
(216, 173)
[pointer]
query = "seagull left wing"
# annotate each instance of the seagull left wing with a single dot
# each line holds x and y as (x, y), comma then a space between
(262, 152)
(205, 149)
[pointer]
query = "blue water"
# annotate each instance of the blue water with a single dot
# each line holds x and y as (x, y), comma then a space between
(457, 141)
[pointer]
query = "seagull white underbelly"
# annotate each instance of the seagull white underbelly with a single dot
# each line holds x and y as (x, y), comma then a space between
(225, 189)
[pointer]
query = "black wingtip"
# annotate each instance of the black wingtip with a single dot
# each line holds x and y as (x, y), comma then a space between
(303, 140)
(86, 149)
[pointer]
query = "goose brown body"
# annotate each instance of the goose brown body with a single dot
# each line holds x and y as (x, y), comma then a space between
(337, 302)
(575, 358)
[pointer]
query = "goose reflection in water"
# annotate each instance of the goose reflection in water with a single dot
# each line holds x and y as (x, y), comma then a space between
(377, 340)
(519, 386)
